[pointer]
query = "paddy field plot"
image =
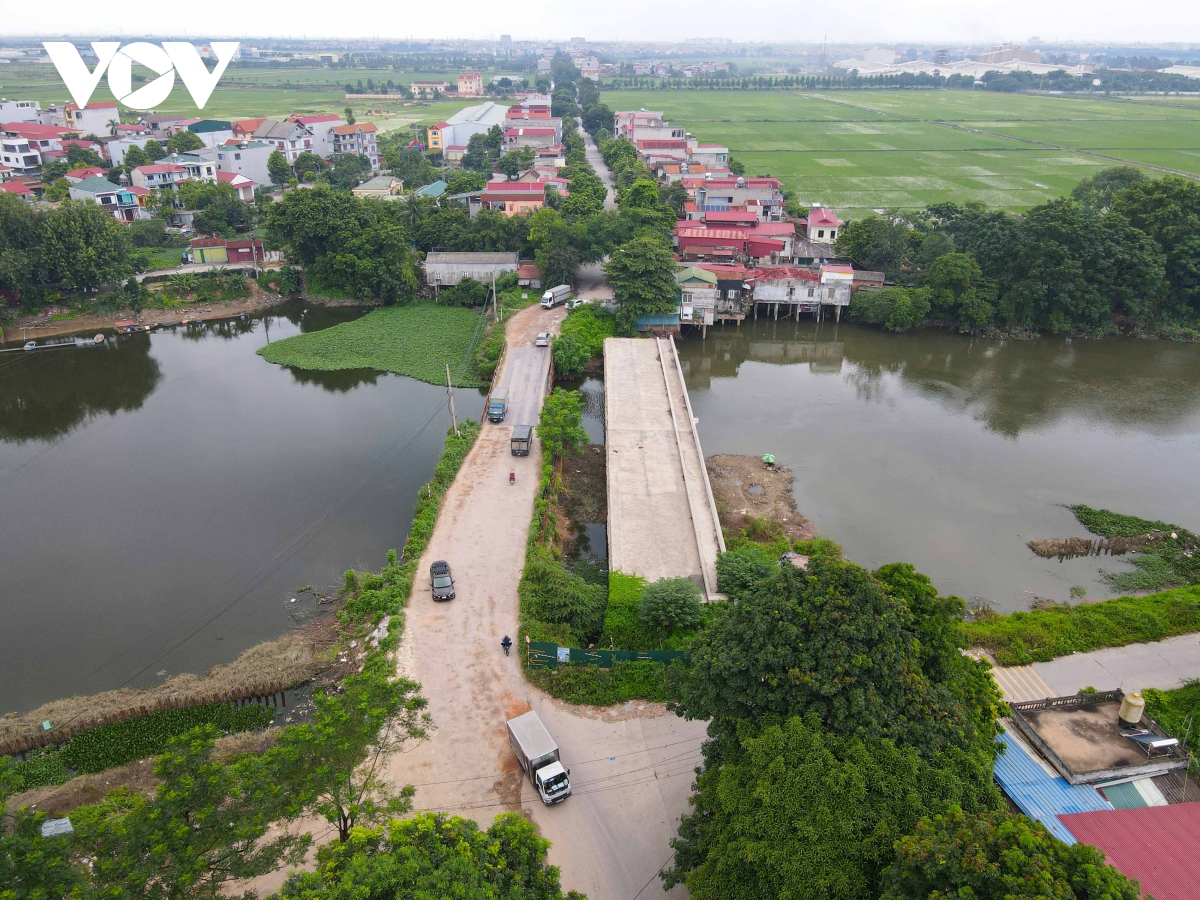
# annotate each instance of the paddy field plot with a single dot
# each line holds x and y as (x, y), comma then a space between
(865, 150)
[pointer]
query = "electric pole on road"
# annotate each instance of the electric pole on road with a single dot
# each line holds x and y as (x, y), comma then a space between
(450, 394)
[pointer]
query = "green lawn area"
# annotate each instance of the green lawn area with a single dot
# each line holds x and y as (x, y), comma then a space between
(163, 257)
(417, 340)
(864, 150)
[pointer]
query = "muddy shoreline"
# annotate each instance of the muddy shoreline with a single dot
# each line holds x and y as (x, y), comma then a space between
(42, 325)
(745, 488)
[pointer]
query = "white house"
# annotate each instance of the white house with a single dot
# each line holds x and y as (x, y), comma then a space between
(240, 183)
(19, 110)
(247, 158)
(93, 118)
(118, 147)
(119, 201)
(158, 175)
(289, 138)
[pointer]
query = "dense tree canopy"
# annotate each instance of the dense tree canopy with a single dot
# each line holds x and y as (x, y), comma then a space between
(1120, 252)
(796, 812)
(642, 275)
(995, 855)
(433, 855)
(847, 646)
(81, 246)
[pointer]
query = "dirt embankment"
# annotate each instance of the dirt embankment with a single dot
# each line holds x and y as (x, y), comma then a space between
(584, 494)
(43, 325)
(745, 489)
(297, 657)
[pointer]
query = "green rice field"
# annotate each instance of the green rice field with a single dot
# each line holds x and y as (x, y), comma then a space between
(863, 150)
(248, 93)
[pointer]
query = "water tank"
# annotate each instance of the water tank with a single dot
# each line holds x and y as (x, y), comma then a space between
(1132, 706)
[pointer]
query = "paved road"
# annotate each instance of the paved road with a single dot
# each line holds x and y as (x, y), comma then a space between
(597, 163)
(1163, 665)
(631, 767)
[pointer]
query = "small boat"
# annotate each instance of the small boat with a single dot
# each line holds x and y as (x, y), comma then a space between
(167, 324)
(125, 326)
(30, 345)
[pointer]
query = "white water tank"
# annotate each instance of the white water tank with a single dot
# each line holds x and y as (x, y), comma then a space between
(1132, 707)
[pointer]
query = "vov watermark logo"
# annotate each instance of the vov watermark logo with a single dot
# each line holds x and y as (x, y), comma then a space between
(164, 61)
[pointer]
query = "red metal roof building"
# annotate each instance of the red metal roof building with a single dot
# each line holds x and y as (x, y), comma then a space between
(1157, 845)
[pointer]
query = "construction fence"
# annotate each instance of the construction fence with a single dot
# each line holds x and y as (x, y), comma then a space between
(546, 656)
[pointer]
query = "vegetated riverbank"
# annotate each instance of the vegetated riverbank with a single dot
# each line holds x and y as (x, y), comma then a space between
(368, 621)
(745, 486)
(418, 340)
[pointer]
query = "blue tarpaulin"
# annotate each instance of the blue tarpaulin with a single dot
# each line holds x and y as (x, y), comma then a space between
(1039, 794)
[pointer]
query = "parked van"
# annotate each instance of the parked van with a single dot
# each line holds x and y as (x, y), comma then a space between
(555, 296)
(497, 406)
(522, 437)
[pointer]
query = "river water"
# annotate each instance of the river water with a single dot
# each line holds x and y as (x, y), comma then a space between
(163, 497)
(952, 452)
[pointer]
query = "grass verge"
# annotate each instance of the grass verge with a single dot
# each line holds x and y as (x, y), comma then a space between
(1043, 634)
(419, 340)
(1177, 711)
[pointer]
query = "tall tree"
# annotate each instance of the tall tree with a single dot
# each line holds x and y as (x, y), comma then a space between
(333, 764)
(278, 168)
(642, 274)
(83, 247)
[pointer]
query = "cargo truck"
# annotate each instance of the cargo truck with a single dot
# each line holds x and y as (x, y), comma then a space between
(497, 405)
(538, 756)
(555, 296)
(522, 437)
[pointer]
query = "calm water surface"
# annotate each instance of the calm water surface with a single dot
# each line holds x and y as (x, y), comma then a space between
(951, 452)
(163, 497)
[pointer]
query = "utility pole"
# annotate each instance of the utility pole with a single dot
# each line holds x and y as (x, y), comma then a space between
(450, 393)
(495, 299)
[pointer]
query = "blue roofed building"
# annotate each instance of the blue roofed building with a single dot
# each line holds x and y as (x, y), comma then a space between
(1038, 793)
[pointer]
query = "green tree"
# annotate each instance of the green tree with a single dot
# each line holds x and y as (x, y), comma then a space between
(464, 182)
(1168, 211)
(219, 210)
(154, 150)
(32, 867)
(995, 855)
(349, 171)
(306, 165)
(411, 167)
(183, 141)
(433, 855)
(570, 356)
(135, 156)
(278, 168)
(83, 247)
(561, 424)
(743, 571)
(957, 289)
(877, 243)
(78, 157)
(839, 643)
(1096, 193)
(348, 113)
(642, 275)
(896, 308)
(333, 764)
(511, 164)
(794, 811)
(670, 606)
(20, 237)
(205, 826)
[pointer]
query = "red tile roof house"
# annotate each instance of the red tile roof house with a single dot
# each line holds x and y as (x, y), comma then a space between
(19, 189)
(243, 185)
(360, 139)
(529, 275)
(529, 137)
(823, 225)
(514, 198)
(77, 175)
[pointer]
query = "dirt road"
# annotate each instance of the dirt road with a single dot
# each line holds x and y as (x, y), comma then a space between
(631, 767)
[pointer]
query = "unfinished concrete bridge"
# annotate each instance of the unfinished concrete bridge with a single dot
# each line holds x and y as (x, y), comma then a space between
(662, 520)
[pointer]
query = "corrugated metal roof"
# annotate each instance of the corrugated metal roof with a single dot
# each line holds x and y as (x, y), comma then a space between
(1156, 845)
(1124, 796)
(1039, 794)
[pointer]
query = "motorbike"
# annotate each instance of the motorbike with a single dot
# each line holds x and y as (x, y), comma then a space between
(512, 477)
(506, 644)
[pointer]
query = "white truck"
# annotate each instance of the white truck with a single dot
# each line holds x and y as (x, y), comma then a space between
(538, 756)
(555, 296)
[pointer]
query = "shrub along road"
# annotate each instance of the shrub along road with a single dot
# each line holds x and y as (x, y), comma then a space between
(631, 767)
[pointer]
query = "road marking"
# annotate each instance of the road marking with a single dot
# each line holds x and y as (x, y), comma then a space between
(1020, 683)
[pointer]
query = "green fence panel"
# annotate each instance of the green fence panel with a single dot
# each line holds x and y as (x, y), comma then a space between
(546, 655)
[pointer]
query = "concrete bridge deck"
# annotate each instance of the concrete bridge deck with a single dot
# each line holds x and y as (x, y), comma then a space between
(662, 521)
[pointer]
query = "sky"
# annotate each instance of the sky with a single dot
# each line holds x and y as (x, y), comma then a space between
(852, 21)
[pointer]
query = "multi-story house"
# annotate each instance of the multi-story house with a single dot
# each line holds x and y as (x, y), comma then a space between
(625, 121)
(120, 201)
(19, 110)
(158, 175)
(200, 165)
(289, 138)
(470, 84)
(93, 118)
(319, 127)
(247, 158)
(360, 139)
(19, 155)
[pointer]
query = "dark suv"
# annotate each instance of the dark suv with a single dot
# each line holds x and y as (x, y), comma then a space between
(442, 580)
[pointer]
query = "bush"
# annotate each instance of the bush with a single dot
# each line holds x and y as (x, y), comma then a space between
(622, 629)
(740, 571)
(468, 292)
(570, 357)
(589, 325)
(487, 356)
(670, 606)
(1177, 711)
(625, 681)
(558, 596)
(1043, 634)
